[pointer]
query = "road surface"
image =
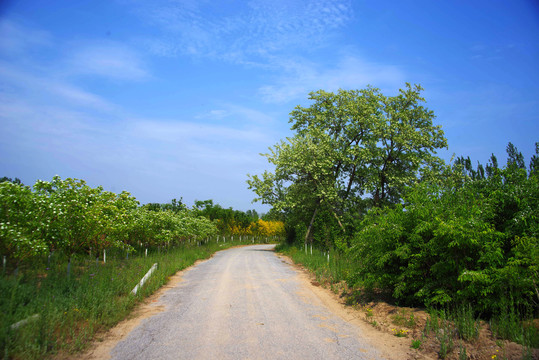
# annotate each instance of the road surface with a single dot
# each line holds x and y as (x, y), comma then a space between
(244, 303)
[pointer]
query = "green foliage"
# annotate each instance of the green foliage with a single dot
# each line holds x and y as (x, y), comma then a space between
(346, 146)
(337, 269)
(403, 319)
(14, 181)
(76, 217)
(160, 228)
(20, 225)
(174, 206)
(466, 323)
(226, 220)
(457, 241)
(534, 162)
(439, 324)
(70, 217)
(508, 324)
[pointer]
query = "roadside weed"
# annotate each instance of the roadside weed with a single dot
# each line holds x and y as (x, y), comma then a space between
(399, 332)
(402, 319)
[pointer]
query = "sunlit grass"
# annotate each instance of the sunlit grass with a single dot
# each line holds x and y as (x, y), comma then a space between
(96, 296)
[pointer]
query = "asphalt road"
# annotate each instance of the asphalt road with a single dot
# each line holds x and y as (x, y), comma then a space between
(244, 303)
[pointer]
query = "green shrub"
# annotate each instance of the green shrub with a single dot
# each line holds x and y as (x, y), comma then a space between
(452, 244)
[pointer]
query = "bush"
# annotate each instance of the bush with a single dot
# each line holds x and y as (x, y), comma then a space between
(456, 242)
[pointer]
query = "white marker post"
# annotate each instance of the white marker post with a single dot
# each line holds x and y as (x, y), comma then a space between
(143, 280)
(24, 322)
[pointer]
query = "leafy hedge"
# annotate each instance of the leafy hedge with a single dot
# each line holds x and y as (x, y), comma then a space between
(457, 240)
(70, 217)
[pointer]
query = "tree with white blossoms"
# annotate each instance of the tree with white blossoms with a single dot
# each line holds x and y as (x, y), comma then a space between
(21, 225)
(79, 218)
(351, 151)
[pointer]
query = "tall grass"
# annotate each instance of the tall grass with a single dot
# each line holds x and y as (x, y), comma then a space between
(338, 268)
(94, 297)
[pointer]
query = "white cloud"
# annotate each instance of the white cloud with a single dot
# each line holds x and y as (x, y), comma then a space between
(217, 114)
(50, 90)
(190, 133)
(241, 114)
(18, 38)
(107, 59)
(351, 72)
(255, 32)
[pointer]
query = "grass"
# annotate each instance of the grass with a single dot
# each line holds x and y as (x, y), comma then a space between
(402, 319)
(448, 329)
(508, 325)
(65, 312)
(443, 329)
(447, 326)
(339, 268)
(467, 325)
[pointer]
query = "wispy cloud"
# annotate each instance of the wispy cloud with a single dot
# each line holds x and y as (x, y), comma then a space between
(190, 132)
(275, 35)
(58, 125)
(254, 33)
(17, 38)
(241, 114)
(103, 58)
(49, 89)
(107, 59)
(352, 72)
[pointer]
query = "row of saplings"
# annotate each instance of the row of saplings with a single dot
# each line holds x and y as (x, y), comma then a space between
(69, 218)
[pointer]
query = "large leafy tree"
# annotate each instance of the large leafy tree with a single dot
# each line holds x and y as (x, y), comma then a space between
(347, 146)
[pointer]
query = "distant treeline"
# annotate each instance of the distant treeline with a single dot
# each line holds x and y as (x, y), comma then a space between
(228, 220)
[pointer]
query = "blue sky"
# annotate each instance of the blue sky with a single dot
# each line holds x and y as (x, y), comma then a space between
(170, 99)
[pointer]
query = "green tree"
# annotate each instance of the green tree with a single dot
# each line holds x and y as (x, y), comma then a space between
(457, 240)
(534, 162)
(346, 146)
(21, 222)
(14, 181)
(492, 166)
(515, 157)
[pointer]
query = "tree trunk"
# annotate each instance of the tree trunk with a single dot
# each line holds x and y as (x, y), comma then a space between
(311, 224)
(339, 221)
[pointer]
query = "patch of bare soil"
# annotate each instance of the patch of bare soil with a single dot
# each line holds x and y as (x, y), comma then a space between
(393, 329)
